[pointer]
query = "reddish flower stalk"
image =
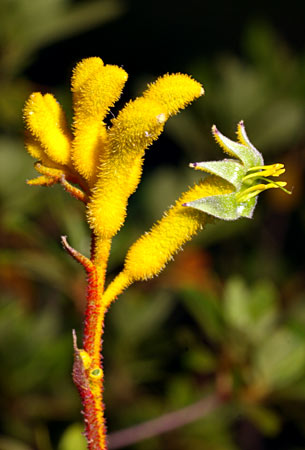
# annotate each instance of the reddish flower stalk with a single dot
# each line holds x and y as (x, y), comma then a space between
(88, 373)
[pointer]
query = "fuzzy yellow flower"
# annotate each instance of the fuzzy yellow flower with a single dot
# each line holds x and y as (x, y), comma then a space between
(106, 162)
(152, 251)
(246, 173)
(229, 192)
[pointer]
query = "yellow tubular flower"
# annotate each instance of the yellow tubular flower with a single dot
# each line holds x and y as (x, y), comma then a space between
(174, 92)
(34, 148)
(138, 124)
(100, 91)
(152, 251)
(88, 145)
(46, 121)
(83, 70)
(136, 127)
(96, 88)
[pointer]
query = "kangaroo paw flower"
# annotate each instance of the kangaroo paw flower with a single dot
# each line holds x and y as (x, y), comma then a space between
(247, 174)
(95, 89)
(153, 250)
(135, 128)
(105, 162)
(174, 91)
(46, 121)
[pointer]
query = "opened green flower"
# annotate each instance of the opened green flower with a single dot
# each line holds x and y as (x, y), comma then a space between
(247, 173)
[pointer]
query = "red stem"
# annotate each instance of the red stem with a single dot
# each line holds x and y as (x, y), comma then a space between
(87, 368)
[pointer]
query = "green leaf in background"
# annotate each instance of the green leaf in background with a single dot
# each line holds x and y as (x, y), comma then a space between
(280, 360)
(135, 323)
(200, 360)
(180, 392)
(236, 297)
(213, 430)
(205, 310)
(265, 419)
(73, 439)
(250, 310)
(37, 349)
(137, 317)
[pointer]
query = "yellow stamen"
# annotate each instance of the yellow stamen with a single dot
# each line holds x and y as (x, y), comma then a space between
(273, 170)
(253, 191)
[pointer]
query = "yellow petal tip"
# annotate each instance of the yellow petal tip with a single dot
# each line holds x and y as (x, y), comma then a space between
(174, 91)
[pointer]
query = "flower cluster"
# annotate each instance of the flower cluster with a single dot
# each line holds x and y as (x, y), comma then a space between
(246, 173)
(105, 163)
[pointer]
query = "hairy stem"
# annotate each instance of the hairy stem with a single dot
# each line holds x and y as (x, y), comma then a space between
(100, 254)
(88, 373)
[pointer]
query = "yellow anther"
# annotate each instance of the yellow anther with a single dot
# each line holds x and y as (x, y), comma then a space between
(273, 170)
(86, 359)
(253, 191)
(270, 166)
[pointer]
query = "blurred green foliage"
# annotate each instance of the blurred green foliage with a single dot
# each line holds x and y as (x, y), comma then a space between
(26, 27)
(227, 317)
